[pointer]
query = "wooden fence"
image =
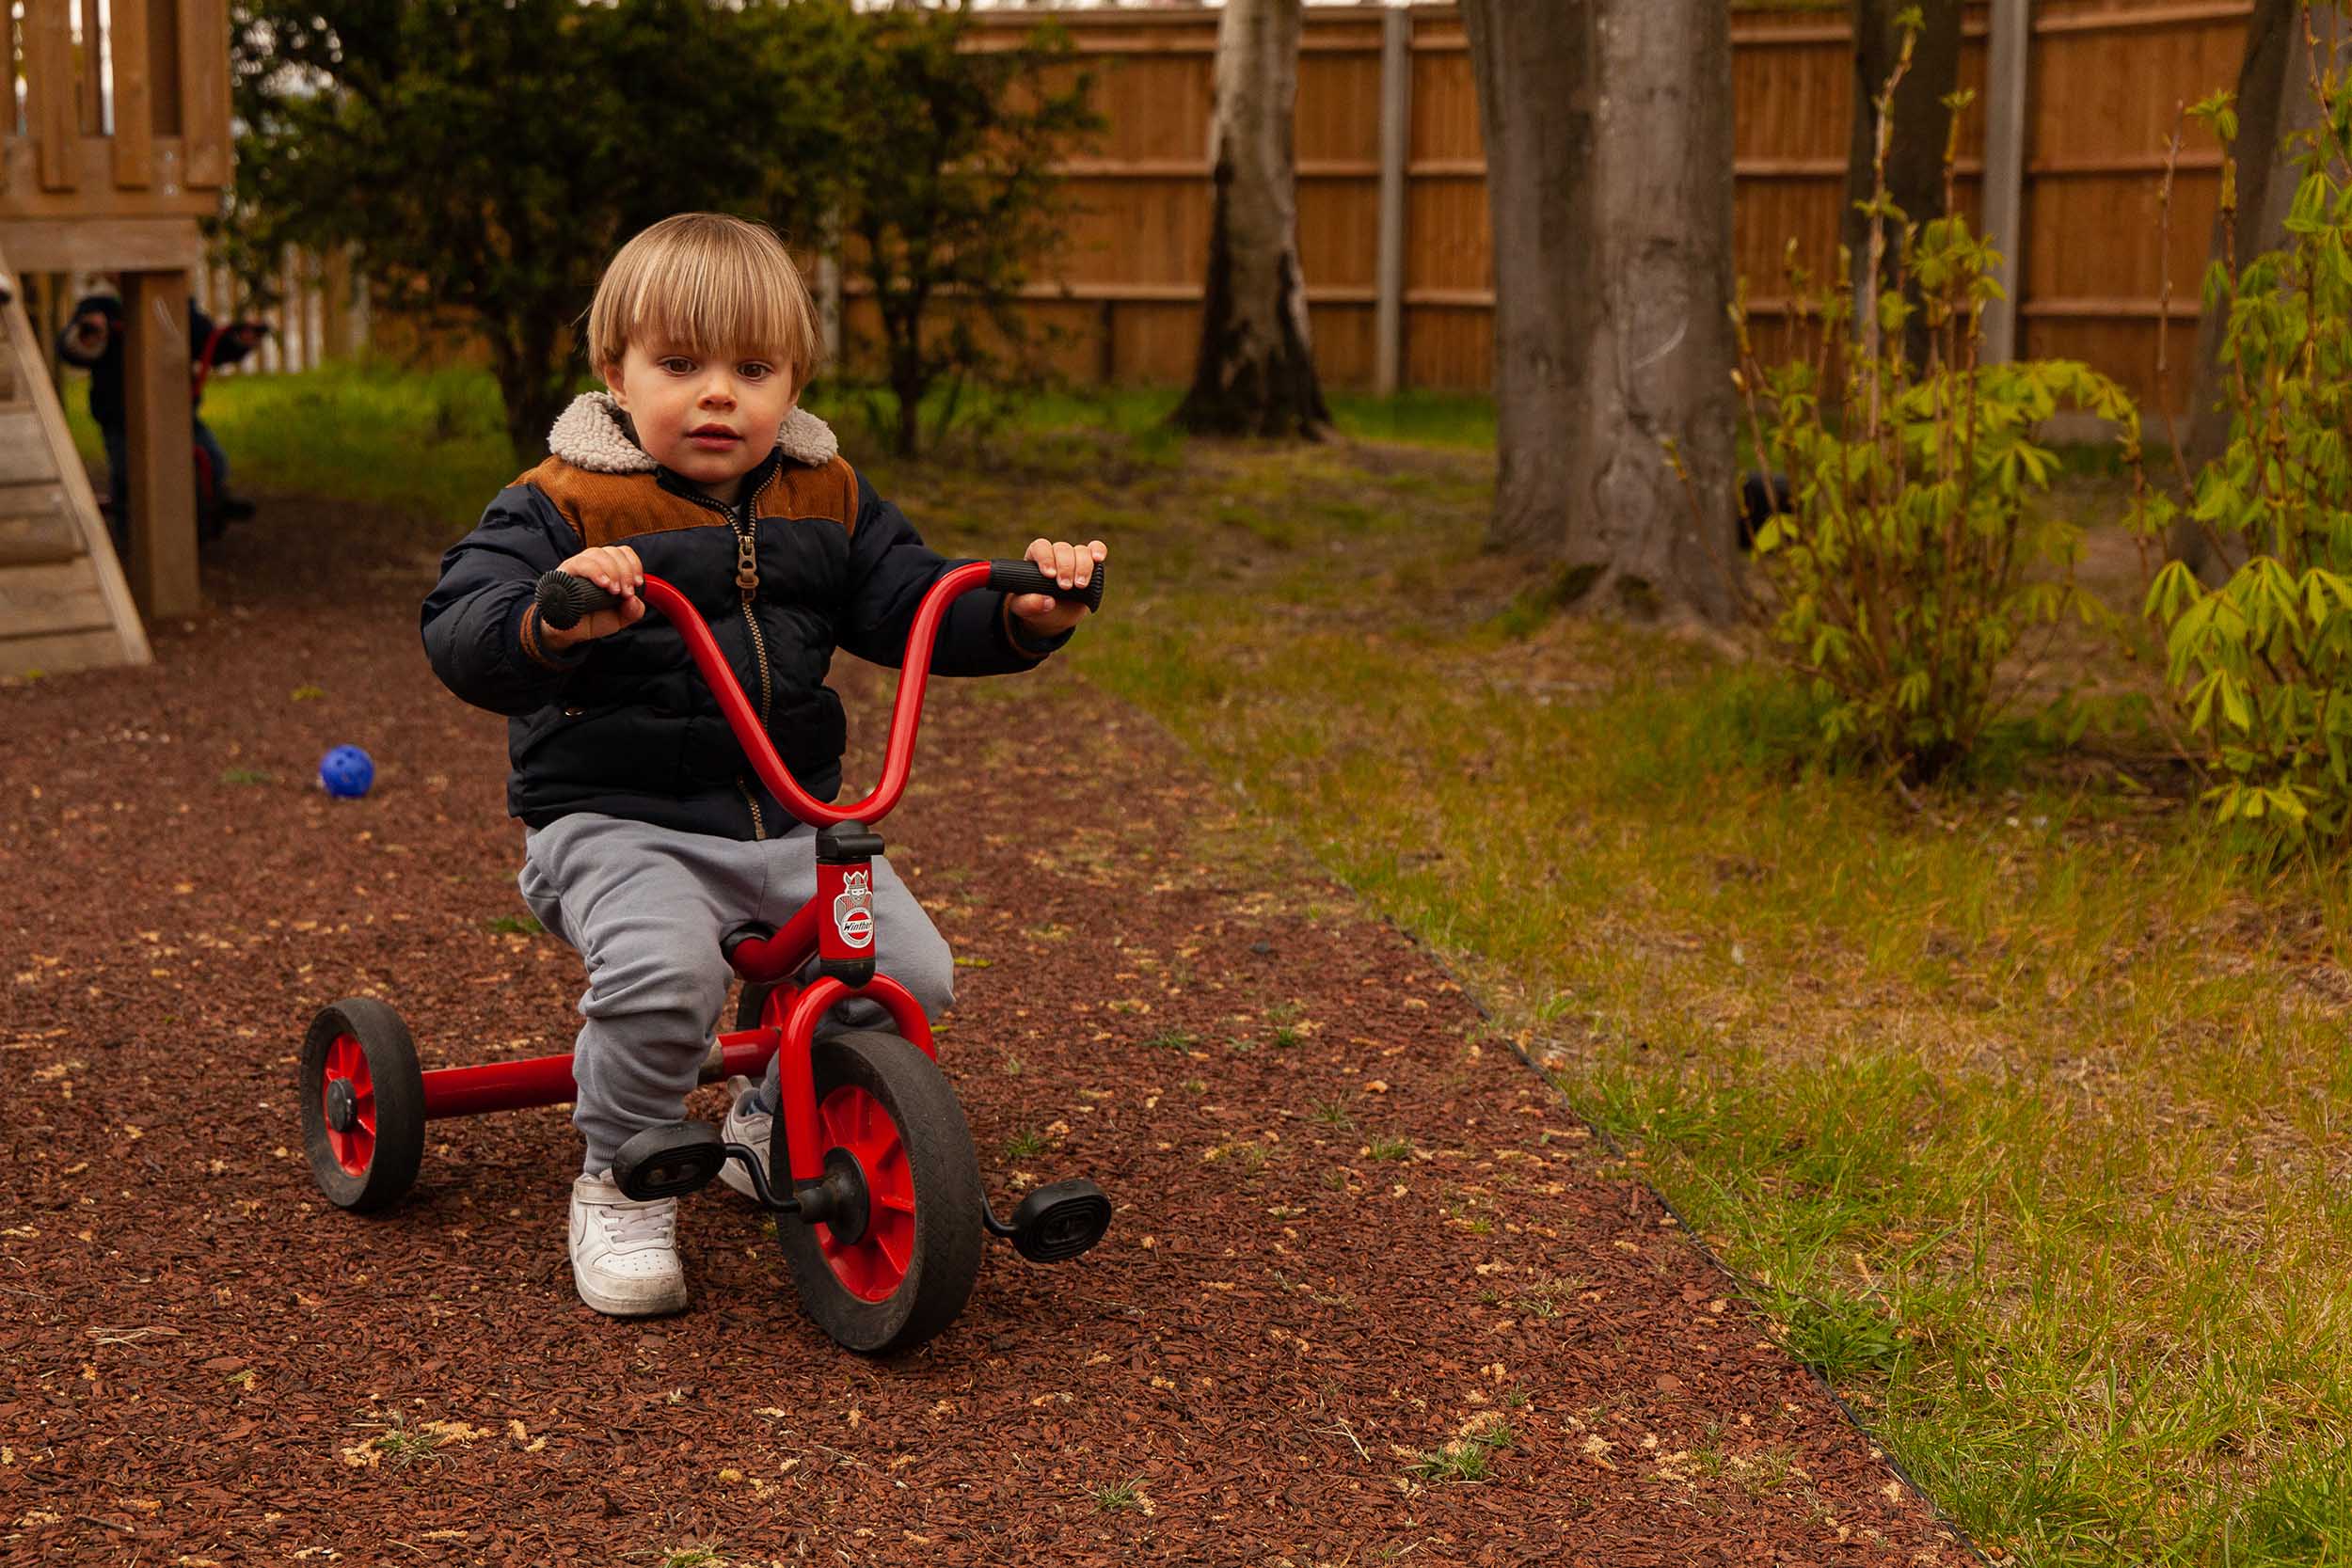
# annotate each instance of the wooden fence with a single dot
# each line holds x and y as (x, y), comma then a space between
(317, 316)
(1394, 236)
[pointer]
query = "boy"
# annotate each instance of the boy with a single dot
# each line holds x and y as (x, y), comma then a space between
(647, 835)
(93, 338)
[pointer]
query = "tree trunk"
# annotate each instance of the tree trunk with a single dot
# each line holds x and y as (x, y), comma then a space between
(1612, 215)
(1537, 81)
(2274, 101)
(1914, 144)
(531, 370)
(1661, 362)
(901, 329)
(1256, 373)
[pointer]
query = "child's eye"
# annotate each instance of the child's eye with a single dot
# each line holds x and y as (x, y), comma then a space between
(677, 364)
(755, 371)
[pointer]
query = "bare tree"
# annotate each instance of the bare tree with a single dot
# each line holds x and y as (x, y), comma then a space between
(1611, 215)
(1916, 136)
(2275, 102)
(1256, 373)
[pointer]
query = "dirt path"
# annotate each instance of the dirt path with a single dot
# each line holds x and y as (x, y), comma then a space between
(1348, 1235)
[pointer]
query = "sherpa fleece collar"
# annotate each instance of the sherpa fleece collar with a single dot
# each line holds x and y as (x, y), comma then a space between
(589, 434)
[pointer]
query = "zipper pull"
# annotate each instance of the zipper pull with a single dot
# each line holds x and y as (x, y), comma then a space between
(746, 566)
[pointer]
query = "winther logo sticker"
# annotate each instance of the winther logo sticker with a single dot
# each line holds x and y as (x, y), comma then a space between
(853, 911)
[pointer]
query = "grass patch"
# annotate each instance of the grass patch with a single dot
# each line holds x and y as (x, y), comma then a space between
(1468, 1457)
(428, 446)
(399, 1446)
(1844, 1337)
(1117, 1496)
(1992, 1093)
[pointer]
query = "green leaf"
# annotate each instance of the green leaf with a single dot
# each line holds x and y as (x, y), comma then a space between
(2201, 701)
(2232, 700)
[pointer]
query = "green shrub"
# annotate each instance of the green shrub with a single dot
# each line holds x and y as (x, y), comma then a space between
(1909, 568)
(2261, 666)
(950, 192)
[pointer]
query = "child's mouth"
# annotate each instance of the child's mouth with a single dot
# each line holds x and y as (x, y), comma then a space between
(714, 439)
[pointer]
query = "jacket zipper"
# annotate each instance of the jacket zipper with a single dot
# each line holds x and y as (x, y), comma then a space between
(747, 584)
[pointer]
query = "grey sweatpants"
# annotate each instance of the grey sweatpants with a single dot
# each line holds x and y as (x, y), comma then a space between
(645, 907)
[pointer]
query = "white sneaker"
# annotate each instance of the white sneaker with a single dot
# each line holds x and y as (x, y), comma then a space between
(744, 1124)
(625, 1258)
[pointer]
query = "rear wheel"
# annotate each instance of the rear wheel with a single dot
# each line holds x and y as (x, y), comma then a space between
(362, 1098)
(899, 1264)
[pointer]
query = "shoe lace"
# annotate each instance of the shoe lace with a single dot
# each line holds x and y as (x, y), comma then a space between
(638, 1225)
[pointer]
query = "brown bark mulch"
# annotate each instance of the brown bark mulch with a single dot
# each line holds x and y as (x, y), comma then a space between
(1349, 1234)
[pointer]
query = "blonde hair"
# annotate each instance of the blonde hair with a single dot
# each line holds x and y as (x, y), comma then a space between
(707, 284)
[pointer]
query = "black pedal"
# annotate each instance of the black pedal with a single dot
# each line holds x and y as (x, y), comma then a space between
(669, 1160)
(1059, 1221)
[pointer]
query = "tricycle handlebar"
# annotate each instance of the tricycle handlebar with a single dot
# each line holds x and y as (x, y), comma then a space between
(563, 599)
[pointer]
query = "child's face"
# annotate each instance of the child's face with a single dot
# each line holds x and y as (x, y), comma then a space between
(709, 420)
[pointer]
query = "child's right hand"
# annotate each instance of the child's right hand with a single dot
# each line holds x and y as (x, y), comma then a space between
(615, 569)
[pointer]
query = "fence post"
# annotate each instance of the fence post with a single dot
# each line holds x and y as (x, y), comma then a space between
(2004, 168)
(829, 290)
(358, 332)
(1396, 136)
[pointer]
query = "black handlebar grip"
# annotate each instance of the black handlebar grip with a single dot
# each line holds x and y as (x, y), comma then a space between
(564, 598)
(1026, 576)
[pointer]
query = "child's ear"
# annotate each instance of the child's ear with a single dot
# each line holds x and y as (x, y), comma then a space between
(611, 372)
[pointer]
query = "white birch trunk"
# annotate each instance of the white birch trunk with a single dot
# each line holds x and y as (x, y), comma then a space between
(1256, 373)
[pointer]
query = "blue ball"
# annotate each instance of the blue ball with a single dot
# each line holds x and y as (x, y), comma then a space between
(346, 772)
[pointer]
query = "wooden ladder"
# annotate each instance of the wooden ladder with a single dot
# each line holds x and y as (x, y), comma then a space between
(64, 604)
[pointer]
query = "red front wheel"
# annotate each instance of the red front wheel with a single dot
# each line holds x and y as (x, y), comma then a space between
(899, 1264)
(362, 1099)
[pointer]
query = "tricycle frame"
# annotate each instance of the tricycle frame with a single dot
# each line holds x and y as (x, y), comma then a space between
(779, 959)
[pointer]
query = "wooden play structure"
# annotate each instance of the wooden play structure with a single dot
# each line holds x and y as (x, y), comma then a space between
(123, 144)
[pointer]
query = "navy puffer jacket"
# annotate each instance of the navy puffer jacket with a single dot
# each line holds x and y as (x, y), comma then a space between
(624, 724)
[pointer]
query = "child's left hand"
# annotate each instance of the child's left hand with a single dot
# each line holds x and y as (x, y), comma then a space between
(1070, 565)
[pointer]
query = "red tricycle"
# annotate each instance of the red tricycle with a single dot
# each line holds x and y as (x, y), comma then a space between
(871, 1176)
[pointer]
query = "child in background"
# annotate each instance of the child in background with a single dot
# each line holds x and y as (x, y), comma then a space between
(647, 835)
(92, 339)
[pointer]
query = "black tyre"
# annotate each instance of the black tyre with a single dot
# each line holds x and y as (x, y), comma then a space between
(893, 1132)
(362, 1099)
